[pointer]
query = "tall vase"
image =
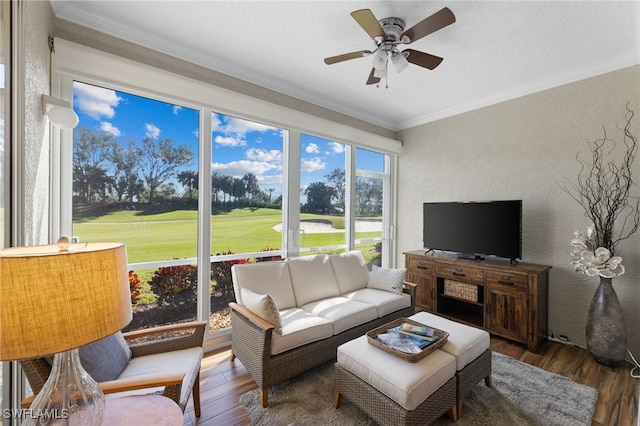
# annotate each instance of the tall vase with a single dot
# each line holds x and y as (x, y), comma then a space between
(606, 332)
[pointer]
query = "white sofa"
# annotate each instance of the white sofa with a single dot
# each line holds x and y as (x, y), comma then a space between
(292, 315)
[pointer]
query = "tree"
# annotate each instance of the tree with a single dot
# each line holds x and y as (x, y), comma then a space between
(216, 185)
(251, 184)
(238, 189)
(126, 181)
(336, 181)
(162, 159)
(189, 178)
(90, 153)
(368, 195)
(319, 197)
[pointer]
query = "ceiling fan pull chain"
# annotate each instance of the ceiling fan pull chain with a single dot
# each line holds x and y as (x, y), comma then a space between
(386, 77)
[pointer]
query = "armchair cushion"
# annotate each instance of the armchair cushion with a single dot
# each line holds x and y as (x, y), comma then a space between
(386, 279)
(105, 359)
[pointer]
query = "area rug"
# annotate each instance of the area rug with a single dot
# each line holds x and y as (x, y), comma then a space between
(521, 395)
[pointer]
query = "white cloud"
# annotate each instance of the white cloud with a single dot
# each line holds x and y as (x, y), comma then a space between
(230, 141)
(151, 130)
(176, 109)
(312, 148)
(336, 147)
(264, 155)
(312, 165)
(109, 128)
(239, 168)
(96, 102)
(237, 126)
(270, 180)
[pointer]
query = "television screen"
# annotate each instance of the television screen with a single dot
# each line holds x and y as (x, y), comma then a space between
(474, 229)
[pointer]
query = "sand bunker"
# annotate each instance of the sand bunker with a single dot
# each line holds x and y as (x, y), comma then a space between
(310, 227)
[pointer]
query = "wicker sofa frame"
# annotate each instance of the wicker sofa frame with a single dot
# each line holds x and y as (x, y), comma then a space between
(251, 343)
(168, 338)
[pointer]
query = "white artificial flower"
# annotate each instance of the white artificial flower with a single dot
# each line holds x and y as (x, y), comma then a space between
(593, 262)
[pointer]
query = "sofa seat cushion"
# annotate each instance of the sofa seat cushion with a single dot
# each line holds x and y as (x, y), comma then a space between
(350, 270)
(184, 361)
(384, 301)
(407, 383)
(265, 278)
(299, 328)
(312, 278)
(342, 312)
(466, 343)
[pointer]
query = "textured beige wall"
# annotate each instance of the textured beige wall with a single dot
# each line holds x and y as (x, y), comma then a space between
(523, 149)
(38, 25)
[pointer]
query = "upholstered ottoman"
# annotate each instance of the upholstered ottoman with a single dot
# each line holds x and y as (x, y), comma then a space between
(470, 347)
(393, 391)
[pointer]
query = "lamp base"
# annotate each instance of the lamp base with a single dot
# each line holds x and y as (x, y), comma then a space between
(70, 396)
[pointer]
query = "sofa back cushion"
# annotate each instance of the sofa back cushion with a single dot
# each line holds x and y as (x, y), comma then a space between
(265, 278)
(350, 270)
(312, 278)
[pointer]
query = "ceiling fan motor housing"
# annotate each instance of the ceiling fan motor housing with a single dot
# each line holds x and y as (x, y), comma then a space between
(392, 27)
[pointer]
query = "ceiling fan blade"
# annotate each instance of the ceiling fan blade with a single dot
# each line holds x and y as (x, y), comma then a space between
(433, 23)
(366, 19)
(346, 56)
(373, 79)
(423, 59)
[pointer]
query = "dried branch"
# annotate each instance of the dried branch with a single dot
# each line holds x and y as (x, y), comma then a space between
(603, 188)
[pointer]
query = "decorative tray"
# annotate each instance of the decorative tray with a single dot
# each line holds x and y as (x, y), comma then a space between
(409, 352)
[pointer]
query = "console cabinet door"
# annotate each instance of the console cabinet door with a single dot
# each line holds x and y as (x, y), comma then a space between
(425, 291)
(422, 273)
(506, 312)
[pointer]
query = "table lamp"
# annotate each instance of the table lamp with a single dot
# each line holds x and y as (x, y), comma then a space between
(56, 298)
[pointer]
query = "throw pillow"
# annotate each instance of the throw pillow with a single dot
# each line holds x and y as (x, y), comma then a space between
(105, 359)
(386, 279)
(264, 306)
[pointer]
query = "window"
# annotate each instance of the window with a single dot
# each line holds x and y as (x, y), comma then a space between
(5, 139)
(246, 203)
(371, 190)
(135, 180)
(235, 193)
(322, 195)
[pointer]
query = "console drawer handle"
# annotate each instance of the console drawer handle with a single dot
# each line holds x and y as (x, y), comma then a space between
(422, 267)
(458, 274)
(506, 282)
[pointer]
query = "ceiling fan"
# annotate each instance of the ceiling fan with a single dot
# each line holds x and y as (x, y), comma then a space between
(388, 34)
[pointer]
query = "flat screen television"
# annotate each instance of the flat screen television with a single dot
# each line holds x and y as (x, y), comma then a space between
(474, 229)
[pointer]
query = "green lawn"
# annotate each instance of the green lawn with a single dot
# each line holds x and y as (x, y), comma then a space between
(173, 234)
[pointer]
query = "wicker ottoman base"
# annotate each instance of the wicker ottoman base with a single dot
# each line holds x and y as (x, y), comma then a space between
(469, 376)
(384, 410)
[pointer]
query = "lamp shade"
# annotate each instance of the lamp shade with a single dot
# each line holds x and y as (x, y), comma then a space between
(55, 298)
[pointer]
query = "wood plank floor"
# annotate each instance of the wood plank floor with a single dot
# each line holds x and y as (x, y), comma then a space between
(222, 382)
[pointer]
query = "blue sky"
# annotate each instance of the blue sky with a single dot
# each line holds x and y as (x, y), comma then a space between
(239, 146)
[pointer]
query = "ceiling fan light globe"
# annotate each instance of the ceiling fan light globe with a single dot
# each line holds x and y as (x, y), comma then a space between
(380, 60)
(380, 73)
(400, 63)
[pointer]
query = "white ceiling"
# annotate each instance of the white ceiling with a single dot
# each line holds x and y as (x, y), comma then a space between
(495, 51)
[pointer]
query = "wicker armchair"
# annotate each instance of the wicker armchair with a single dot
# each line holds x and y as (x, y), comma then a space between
(172, 342)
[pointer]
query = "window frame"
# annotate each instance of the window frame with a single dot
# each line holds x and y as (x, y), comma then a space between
(82, 63)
